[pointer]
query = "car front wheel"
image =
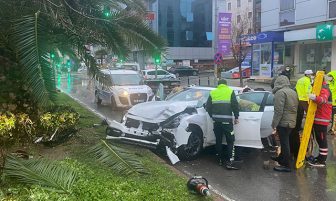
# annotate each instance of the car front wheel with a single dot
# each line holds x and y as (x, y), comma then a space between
(194, 147)
(194, 73)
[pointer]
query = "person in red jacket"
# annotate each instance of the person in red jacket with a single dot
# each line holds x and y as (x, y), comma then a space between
(321, 122)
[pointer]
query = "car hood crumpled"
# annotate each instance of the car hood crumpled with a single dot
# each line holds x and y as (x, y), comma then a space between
(158, 111)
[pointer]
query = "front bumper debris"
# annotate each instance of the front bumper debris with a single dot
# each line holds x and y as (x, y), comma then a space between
(119, 132)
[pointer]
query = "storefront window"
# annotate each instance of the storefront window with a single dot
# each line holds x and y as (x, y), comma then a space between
(278, 58)
(315, 56)
(266, 59)
(262, 55)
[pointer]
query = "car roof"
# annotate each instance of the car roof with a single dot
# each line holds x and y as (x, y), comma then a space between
(147, 70)
(113, 72)
(212, 88)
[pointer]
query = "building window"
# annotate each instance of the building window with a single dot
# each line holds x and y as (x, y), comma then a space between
(238, 19)
(287, 12)
(229, 6)
(332, 8)
(249, 14)
(238, 3)
(249, 31)
(316, 56)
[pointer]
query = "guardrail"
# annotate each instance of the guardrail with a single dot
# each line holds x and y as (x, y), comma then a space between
(197, 80)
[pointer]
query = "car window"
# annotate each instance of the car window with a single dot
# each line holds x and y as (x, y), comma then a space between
(270, 100)
(191, 94)
(151, 73)
(161, 72)
(250, 102)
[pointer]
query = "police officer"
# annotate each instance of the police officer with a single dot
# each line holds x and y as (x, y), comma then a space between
(220, 105)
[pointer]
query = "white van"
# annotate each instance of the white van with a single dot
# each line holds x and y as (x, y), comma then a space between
(122, 89)
(128, 66)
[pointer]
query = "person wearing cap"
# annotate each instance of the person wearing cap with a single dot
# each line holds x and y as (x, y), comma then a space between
(222, 106)
(332, 86)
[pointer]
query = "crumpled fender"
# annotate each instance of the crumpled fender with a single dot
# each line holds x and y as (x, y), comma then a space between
(181, 134)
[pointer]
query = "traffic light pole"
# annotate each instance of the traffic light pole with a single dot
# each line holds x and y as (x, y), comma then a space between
(156, 66)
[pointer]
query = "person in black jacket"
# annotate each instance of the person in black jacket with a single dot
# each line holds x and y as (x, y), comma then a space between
(220, 105)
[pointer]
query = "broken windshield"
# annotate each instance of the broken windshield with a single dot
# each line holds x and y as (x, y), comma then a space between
(191, 94)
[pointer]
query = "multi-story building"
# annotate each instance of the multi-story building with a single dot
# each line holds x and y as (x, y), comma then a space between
(308, 30)
(187, 27)
(242, 10)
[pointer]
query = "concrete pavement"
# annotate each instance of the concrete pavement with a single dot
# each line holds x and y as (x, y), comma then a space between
(252, 182)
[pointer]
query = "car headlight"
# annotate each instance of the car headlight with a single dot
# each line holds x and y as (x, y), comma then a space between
(123, 92)
(174, 122)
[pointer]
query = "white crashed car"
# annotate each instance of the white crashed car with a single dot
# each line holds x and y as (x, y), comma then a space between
(182, 123)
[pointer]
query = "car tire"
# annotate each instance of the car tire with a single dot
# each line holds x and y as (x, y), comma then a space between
(97, 99)
(194, 73)
(194, 147)
(113, 104)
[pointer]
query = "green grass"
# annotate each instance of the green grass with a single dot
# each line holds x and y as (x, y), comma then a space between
(97, 182)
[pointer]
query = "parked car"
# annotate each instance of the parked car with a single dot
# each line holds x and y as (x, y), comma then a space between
(182, 123)
(183, 71)
(122, 88)
(128, 66)
(234, 73)
(161, 74)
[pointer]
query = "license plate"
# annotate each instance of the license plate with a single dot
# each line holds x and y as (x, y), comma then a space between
(139, 101)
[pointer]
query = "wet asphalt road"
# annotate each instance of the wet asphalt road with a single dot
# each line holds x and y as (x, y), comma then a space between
(252, 182)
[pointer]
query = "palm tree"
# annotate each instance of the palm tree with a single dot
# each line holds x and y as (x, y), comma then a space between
(32, 29)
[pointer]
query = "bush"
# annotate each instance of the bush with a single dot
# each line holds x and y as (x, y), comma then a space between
(58, 124)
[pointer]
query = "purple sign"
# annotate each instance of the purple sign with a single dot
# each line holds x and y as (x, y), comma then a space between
(224, 33)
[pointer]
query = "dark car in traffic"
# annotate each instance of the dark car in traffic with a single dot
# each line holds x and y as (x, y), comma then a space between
(183, 71)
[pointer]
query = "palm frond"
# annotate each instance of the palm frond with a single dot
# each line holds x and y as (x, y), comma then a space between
(117, 159)
(30, 41)
(49, 175)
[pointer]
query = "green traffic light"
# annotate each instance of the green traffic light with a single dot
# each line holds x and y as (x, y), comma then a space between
(107, 14)
(107, 11)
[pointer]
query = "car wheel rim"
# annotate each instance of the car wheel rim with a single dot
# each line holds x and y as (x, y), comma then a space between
(193, 145)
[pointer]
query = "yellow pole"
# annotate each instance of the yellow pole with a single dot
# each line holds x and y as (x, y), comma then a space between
(309, 120)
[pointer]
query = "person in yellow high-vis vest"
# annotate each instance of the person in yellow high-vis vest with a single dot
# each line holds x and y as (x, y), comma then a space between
(332, 87)
(303, 89)
(222, 107)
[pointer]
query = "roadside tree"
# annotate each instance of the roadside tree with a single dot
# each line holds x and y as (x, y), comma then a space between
(35, 33)
(239, 47)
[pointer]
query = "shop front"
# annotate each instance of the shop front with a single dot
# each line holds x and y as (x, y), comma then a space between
(268, 53)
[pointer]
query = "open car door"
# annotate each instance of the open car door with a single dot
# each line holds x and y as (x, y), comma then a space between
(247, 132)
